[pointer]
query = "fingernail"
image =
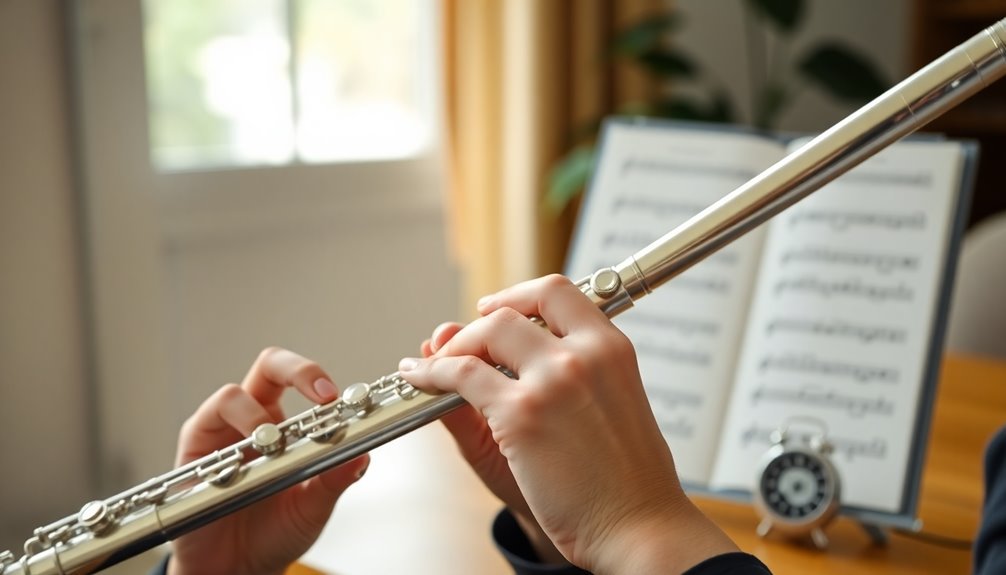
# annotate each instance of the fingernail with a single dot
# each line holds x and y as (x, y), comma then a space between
(359, 474)
(408, 364)
(325, 389)
(483, 301)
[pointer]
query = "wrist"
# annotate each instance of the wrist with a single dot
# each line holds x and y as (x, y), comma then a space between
(672, 541)
(542, 545)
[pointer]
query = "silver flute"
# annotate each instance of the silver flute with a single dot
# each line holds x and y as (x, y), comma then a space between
(105, 532)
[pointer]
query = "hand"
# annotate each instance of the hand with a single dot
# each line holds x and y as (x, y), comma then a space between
(477, 446)
(575, 429)
(266, 537)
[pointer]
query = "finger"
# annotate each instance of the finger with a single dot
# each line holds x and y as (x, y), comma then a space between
(504, 337)
(227, 416)
(553, 298)
(443, 333)
(315, 498)
(479, 383)
(277, 369)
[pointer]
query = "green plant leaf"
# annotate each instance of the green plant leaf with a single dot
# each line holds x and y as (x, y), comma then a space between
(842, 72)
(785, 14)
(720, 109)
(567, 178)
(667, 63)
(645, 34)
(681, 108)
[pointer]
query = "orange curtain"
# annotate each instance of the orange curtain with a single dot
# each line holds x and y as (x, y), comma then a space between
(521, 76)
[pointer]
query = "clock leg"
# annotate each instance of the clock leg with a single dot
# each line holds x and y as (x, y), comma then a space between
(764, 527)
(819, 538)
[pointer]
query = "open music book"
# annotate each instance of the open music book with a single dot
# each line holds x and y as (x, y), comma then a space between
(834, 309)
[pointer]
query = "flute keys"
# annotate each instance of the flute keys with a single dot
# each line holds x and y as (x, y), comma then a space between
(605, 282)
(405, 390)
(268, 439)
(357, 396)
(222, 472)
(326, 424)
(328, 433)
(94, 516)
(225, 476)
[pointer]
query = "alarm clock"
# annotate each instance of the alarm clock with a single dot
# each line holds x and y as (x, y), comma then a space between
(798, 489)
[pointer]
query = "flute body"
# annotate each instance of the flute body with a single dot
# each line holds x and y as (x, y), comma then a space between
(367, 415)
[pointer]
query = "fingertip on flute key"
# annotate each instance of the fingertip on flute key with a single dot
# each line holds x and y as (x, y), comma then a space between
(407, 364)
(325, 389)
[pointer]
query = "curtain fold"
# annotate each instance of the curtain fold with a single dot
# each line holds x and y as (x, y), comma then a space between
(520, 78)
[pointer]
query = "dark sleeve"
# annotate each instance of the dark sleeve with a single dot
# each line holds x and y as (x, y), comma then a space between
(515, 547)
(990, 546)
(730, 564)
(517, 550)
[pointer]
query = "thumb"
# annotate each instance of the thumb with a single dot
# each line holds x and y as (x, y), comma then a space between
(475, 441)
(315, 498)
(471, 433)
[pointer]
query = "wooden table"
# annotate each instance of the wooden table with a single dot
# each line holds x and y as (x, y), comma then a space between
(426, 513)
(970, 407)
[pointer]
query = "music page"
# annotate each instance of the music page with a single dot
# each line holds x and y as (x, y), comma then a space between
(650, 178)
(842, 319)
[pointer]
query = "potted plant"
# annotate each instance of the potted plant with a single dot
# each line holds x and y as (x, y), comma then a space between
(826, 65)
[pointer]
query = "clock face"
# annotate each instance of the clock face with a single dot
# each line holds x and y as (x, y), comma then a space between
(796, 486)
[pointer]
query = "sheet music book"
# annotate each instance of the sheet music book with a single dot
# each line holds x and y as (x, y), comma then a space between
(834, 309)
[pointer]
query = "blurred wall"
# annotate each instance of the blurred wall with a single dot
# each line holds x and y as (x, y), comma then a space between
(44, 437)
(354, 289)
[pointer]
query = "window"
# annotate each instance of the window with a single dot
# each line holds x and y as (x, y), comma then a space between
(273, 82)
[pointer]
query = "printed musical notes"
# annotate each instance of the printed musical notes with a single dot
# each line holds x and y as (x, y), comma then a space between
(681, 427)
(663, 165)
(845, 287)
(687, 334)
(835, 328)
(687, 327)
(808, 363)
(902, 180)
(674, 354)
(667, 399)
(674, 398)
(828, 311)
(657, 206)
(881, 262)
(851, 221)
(840, 324)
(855, 406)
